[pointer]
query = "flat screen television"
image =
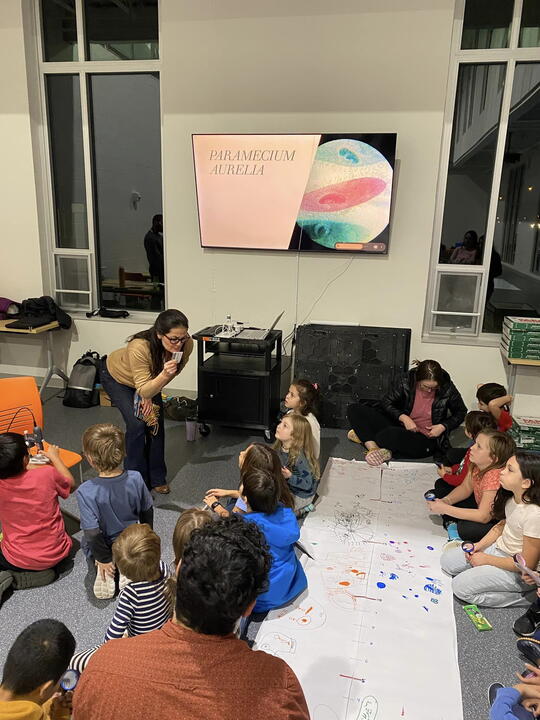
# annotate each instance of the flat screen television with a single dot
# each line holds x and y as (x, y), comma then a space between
(301, 192)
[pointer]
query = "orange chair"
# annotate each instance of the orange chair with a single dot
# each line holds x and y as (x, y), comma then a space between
(21, 409)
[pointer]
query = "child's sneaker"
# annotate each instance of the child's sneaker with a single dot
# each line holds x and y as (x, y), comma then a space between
(492, 692)
(104, 589)
(526, 625)
(123, 581)
(451, 544)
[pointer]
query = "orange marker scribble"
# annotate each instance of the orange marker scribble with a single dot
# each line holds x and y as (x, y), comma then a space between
(344, 582)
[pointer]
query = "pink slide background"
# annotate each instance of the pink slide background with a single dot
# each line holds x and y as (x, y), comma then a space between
(233, 209)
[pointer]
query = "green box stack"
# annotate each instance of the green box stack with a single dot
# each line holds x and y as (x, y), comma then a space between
(526, 432)
(520, 338)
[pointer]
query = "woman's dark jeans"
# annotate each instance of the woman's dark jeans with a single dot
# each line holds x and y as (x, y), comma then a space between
(144, 452)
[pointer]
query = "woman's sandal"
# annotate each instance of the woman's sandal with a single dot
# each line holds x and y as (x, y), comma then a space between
(353, 437)
(378, 456)
(162, 489)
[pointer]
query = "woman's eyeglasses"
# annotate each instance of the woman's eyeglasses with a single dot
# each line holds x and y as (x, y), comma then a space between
(176, 340)
(427, 388)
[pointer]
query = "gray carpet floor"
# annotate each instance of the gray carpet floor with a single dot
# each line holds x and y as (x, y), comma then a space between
(193, 468)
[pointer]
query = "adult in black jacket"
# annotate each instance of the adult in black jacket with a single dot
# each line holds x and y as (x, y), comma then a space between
(413, 419)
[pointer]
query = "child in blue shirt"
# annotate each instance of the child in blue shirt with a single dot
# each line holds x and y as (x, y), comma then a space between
(109, 502)
(287, 578)
(294, 445)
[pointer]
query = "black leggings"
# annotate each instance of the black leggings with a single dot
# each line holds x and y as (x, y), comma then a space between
(372, 424)
(467, 529)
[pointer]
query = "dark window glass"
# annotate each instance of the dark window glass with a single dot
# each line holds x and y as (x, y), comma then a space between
(65, 128)
(486, 24)
(121, 29)
(127, 189)
(514, 272)
(529, 35)
(59, 30)
(470, 169)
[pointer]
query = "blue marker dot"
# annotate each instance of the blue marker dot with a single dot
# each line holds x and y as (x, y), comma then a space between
(425, 608)
(393, 576)
(430, 548)
(381, 585)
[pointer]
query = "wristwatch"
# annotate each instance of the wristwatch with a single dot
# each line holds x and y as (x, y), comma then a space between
(214, 505)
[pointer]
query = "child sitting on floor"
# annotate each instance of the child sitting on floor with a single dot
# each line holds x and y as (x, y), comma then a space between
(303, 398)
(34, 666)
(189, 520)
(256, 457)
(488, 575)
(110, 502)
(451, 477)
(494, 399)
(145, 602)
(34, 536)
(287, 578)
(294, 445)
(471, 502)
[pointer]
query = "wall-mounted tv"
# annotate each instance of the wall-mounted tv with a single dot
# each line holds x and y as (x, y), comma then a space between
(300, 192)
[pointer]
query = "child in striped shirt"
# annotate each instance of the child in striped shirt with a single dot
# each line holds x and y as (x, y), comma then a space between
(145, 601)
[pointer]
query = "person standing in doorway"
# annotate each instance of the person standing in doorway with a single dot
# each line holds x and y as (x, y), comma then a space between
(153, 244)
(134, 377)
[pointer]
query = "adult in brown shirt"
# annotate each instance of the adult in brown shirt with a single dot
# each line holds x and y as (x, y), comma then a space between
(195, 668)
(144, 367)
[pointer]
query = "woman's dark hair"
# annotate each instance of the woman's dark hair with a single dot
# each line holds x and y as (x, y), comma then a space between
(165, 322)
(477, 421)
(490, 391)
(224, 568)
(261, 491)
(263, 457)
(13, 450)
(309, 395)
(40, 654)
(529, 467)
(429, 370)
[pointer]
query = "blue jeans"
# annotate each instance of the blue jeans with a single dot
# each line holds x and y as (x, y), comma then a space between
(144, 452)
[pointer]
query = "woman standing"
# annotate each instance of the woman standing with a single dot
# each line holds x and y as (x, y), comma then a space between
(413, 419)
(134, 377)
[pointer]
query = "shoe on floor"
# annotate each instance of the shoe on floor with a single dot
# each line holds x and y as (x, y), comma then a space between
(33, 578)
(123, 581)
(104, 589)
(451, 544)
(526, 625)
(353, 437)
(162, 489)
(492, 692)
(6, 581)
(378, 457)
(530, 649)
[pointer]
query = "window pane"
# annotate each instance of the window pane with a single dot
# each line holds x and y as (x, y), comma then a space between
(514, 274)
(486, 24)
(121, 29)
(59, 30)
(472, 156)
(459, 294)
(72, 273)
(127, 172)
(529, 35)
(65, 128)
(73, 301)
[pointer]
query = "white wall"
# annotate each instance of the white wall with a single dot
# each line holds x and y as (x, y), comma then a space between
(298, 67)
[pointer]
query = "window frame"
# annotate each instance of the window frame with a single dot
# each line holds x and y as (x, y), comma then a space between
(510, 56)
(84, 68)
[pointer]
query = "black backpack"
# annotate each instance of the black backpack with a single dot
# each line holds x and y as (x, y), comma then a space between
(81, 391)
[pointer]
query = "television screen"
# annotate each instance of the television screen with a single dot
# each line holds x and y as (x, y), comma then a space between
(313, 193)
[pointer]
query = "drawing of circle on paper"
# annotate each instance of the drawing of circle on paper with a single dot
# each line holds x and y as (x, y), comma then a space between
(307, 614)
(369, 708)
(276, 643)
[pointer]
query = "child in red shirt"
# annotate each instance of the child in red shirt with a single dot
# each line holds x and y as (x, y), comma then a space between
(451, 476)
(34, 535)
(493, 398)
